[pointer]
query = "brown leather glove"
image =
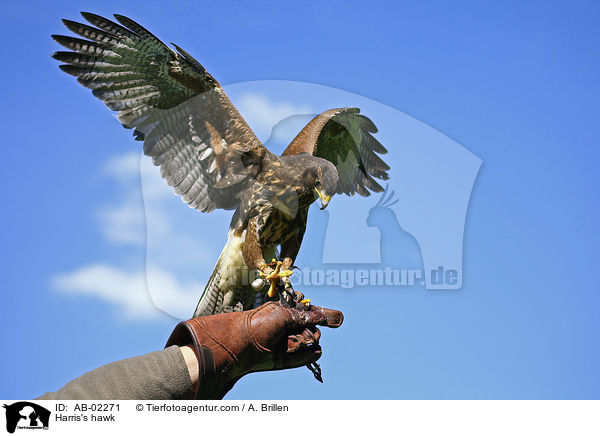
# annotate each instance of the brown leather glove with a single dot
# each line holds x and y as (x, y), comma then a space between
(231, 345)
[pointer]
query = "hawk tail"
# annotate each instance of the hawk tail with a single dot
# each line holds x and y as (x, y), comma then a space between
(211, 300)
(229, 288)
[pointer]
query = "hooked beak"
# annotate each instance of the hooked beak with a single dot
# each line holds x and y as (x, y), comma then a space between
(324, 198)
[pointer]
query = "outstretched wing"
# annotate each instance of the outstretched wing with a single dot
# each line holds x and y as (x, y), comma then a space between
(344, 137)
(205, 149)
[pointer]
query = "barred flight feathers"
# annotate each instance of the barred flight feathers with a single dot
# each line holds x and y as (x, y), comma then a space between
(206, 150)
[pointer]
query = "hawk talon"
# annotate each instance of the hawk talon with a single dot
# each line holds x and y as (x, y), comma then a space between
(274, 277)
(283, 300)
(287, 299)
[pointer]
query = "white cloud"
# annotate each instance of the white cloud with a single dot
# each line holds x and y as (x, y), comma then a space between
(262, 114)
(128, 290)
(176, 297)
(124, 223)
(124, 168)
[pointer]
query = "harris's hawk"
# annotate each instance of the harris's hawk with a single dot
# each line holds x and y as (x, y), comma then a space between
(209, 155)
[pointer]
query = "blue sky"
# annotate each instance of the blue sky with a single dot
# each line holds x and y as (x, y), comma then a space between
(516, 85)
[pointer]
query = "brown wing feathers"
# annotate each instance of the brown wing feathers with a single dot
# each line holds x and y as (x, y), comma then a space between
(206, 150)
(173, 104)
(344, 137)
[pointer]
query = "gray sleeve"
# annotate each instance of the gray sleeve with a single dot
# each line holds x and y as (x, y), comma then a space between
(161, 375)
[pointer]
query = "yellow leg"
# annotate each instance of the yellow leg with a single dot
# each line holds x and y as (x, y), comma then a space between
(274, 277)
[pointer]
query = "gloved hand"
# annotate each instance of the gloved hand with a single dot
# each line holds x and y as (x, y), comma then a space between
(231, 345)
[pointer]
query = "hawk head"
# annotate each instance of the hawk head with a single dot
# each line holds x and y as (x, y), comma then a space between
(319, 179)
(326, 183)
(310, 177)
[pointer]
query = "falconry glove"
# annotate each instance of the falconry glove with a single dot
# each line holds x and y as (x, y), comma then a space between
(272, 336)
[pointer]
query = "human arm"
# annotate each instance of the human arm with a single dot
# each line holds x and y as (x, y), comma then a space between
(160, 375)
(230, 345)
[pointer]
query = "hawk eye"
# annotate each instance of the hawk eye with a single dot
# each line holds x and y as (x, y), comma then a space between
(318, 183)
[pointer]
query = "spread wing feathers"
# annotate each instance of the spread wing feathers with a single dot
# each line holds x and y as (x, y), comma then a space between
(344, 137)
(205, 149)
